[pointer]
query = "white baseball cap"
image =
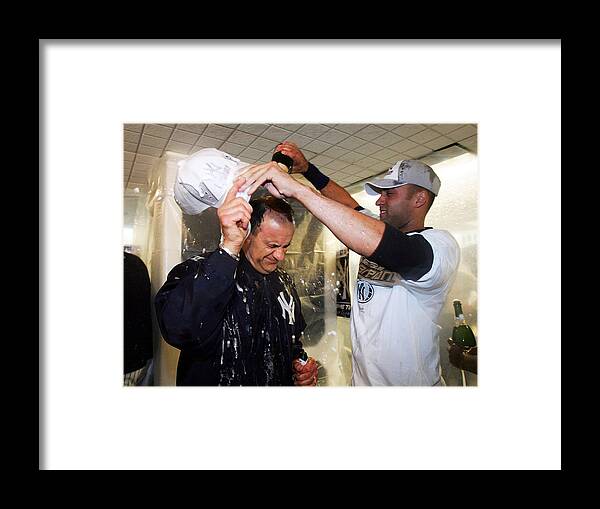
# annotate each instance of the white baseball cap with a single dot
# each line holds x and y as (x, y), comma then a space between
(204, 179)
(409, 171)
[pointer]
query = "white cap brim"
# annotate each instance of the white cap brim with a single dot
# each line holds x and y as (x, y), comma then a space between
(375, 187)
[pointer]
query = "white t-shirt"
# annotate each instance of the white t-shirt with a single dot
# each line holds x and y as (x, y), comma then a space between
(394, 321)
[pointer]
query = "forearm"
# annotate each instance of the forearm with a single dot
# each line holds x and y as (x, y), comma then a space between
(360, 233)
(337, 193)
(328, 187)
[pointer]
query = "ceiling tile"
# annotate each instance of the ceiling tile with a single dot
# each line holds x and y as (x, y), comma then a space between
(181, 148)
(389, 127)
(370, 132)
(387, 139)
(289, 127)
(263, 144)
(149, 151)
(380, 167)
(385, 154)
(464, 132)
(184, 136)
(153, 141)
(131, 137)
(265, 158)
(437, 143)
(256, 129)
(351, 143)
(140, 158)
(313, 130)
(141, 167)
(470, 143)
(418, 151)
(445, 128)
(367, 149)
(232, 148)
(350, 128)
(351, 157)
(218, 131)
(299, 139)
(403, 146)
(423, 136)
(130, 147)
(158, 130)
(275, 134)
(208, 142)
(353, 169)
(251, 155)
(337, 165)
(367, 162)
(333, 136)
(128, 156)
(335, 151)
(318, 146)
(192, 128)
(241, 138)
(133, 127)
(406, 130)
(321, 160)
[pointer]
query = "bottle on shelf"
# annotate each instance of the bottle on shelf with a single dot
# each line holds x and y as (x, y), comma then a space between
(462, 334)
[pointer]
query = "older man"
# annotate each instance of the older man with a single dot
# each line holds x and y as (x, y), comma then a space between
(234, 314)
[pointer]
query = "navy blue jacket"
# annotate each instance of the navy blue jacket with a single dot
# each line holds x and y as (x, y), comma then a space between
(233, 325)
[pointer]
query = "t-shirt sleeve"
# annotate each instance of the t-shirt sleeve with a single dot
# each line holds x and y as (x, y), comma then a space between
(409, 255)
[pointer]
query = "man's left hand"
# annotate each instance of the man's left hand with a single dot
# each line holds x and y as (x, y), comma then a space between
(277, 182)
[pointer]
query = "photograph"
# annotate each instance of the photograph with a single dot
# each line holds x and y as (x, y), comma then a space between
(353, 262)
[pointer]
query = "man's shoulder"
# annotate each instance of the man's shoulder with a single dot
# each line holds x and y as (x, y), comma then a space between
(441, 236)
(189, 265)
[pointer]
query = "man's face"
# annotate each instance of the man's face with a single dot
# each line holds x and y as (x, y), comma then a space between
(395, 206)
(266, 247)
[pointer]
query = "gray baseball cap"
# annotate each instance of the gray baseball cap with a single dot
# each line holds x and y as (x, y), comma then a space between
(408, 171)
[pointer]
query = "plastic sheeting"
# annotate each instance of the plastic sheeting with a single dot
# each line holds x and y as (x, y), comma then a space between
(164, 253)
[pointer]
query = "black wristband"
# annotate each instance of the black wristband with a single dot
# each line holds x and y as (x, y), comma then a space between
(315, 177)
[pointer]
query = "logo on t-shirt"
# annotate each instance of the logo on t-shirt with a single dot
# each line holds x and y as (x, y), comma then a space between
(364, 291)
(287, 306)
(375, 272)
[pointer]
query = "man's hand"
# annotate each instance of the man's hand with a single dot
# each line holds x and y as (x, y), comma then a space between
(305, 375)
(291, 149)
(455, 354)
(462, 358)
(277, 182)
(234, 216)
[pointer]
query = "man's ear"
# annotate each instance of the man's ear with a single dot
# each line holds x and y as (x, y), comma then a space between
(420, 198)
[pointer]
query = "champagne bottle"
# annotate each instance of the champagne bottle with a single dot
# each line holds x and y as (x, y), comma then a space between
(285, 162)
(462, 334)
(303, 358)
